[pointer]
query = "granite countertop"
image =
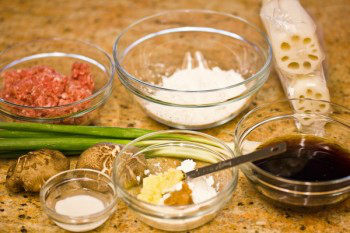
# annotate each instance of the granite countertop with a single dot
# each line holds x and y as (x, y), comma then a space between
(99, 22)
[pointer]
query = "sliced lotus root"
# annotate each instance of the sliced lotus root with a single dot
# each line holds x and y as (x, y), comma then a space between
(310, 88)
(298, 54)
(292, 34)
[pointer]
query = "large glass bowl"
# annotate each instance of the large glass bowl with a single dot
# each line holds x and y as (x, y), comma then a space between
(58, 54)
(279, 119)
(155, 47)
(164, 150)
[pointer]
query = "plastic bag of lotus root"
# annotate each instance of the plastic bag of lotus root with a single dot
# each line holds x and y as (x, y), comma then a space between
(298, 55)
(293, 37)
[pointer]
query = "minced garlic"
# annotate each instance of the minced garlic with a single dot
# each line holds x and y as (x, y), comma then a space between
(154, 186)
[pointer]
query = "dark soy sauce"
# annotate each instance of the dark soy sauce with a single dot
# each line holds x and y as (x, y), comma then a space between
(307, 158)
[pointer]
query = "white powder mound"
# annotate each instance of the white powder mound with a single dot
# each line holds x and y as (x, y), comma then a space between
(201, 78)
(187, 165)
(195, 79)
(202, 189)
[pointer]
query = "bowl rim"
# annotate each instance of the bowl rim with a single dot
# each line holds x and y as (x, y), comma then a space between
(260, 73)
(145, 205)
(76, 219)
(97, 93)
(238, 141)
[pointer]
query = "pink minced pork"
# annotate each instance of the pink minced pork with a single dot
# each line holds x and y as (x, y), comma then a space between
(42, 86)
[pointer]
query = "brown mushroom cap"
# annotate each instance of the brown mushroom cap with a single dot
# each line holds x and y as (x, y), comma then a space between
(99, 157)
(31, 170)
(131, 167)
(102, 155)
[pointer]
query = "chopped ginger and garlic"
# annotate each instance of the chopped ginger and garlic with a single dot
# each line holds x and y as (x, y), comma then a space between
(170, 188)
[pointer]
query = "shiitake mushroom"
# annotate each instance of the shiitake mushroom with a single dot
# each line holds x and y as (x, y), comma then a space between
(131, 167)
(101, 156)
(31, 170)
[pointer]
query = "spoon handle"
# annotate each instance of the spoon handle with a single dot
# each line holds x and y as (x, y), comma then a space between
(251, 157)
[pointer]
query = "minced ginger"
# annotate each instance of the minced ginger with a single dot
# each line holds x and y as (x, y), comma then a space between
(154, 186)
(181, 197)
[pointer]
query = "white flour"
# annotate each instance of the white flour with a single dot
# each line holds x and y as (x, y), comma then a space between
(195, 79)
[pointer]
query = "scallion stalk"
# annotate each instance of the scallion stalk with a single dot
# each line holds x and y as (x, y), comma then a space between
(59, 143)
(108, 132)
(183, 153)
(29, 134)
(18, 138)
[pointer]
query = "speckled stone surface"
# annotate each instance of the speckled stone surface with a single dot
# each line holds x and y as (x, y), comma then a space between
(99, 22)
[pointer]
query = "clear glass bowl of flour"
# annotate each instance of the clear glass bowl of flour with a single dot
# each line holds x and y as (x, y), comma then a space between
(78, 200)
(174, 149)
(192, 69)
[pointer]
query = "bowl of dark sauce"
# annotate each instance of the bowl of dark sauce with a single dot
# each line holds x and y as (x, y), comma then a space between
(315, 169)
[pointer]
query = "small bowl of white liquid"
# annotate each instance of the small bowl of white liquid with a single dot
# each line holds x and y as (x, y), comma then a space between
(78, 200)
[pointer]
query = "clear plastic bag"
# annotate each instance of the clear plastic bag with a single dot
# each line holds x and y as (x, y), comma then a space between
(293, 37)
(297, 53)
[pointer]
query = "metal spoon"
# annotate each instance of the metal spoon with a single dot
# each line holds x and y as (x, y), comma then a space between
(251, 157)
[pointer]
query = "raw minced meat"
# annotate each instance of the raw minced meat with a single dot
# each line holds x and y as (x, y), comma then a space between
(42, 86)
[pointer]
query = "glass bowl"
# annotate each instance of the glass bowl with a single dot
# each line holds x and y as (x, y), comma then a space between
(76, 182)
(164, 150)
(59, 54)
(279, 119)
(152, 49)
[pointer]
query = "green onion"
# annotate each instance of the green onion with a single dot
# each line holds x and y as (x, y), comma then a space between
(17, 139)
(188, 138)
(198, 153)
(59, 143)
(183, 153)
(110, 132)
(28, 134)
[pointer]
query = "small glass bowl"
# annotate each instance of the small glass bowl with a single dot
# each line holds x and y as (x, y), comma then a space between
(59, 54)
(78, 182)
(160, 148)
(155, 47)
(279, 119)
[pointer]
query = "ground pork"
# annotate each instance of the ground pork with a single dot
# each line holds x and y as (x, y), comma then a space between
(42, 86)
